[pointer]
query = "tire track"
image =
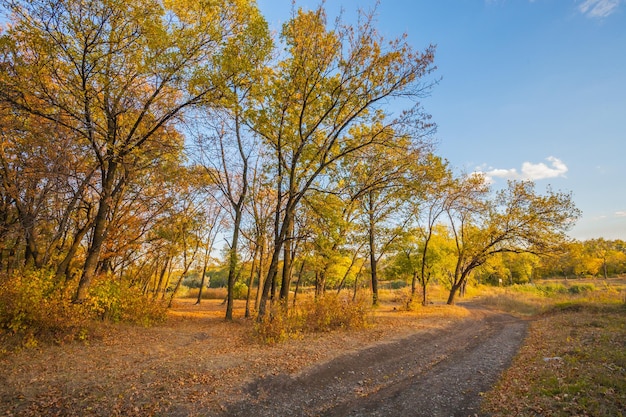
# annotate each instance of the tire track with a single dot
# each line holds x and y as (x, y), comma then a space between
(434, 373)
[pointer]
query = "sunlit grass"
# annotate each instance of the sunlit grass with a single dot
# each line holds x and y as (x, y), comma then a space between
(573, 362)
(533, 299)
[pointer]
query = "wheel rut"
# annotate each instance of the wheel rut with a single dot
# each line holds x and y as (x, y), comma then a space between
(434, 373)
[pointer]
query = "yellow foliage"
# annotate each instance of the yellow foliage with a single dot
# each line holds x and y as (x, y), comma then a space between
(34, 308)
(322, 314)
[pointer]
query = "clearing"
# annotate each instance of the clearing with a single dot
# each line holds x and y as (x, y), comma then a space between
(434, 362)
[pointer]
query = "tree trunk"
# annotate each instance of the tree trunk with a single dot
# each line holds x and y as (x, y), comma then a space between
(232, 264)
(270, 281)
(287, 263)
(452, 294)
(202, 281)
(157, 289)
(356, 282)
(166, 282)
(251, 280)
(424, 297)
(457, 285)
(372, 243)
(99, 234)
(63, 269)
(31, 251)
(345, 276)
(295, 293)
(180, 279)
(279, 242)
(260, 274)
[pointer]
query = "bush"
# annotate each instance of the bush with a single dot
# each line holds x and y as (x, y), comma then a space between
(240, 291)
(117, 301)
(320, 314)
(333, 312)
(34, 307)
(277, 326)
(581, 288)
(395, 284)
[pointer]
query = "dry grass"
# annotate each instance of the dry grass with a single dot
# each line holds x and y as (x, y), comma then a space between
(532, 299)
(573, 363)
(189, 365)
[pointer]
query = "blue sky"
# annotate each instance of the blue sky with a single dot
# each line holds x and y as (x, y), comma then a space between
(532, 89)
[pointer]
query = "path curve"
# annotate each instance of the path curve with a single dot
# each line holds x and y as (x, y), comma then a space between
(436, 373)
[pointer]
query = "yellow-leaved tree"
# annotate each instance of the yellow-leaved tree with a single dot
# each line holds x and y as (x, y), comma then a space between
(326, 98)
(119, 75)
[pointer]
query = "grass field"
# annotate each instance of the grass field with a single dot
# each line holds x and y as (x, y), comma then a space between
(573, 361)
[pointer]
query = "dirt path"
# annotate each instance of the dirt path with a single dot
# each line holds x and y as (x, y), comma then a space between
(435, 362)
(436, 373)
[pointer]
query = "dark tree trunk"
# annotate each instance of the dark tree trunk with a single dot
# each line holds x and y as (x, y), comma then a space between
(300, 273)
(99, 234)
(233, 261)
(251, 281)
(287, 263)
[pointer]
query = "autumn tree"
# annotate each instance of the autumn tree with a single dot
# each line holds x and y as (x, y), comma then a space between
(117, 75)
(381, 176)
(229, 150)
(332, 238)
(44, 185)
(516, 220)
(325, 99)
(431, 191)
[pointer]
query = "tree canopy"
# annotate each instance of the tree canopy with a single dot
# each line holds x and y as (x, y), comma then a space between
(132, 132)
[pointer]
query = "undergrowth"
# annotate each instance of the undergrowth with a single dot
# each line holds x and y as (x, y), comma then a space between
(573, 362)
(34, 309)
(322, 314)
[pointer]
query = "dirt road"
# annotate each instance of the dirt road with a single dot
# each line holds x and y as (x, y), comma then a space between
(438, 373)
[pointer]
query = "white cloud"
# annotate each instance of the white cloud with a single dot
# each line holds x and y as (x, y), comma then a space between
(529, 171)
(620, 213)
(599, 8)
(540, 171)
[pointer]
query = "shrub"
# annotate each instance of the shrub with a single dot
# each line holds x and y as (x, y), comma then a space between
(117, 301)
(34, 307)
(333, 312)
(395, 284)
(240, 291)
(277, 326)
(581, 288)
(320, 314)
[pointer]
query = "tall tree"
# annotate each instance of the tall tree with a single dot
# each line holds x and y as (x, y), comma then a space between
(232, 148)
(325, 100)
(517, 220)
(437, 194)
(118, 74)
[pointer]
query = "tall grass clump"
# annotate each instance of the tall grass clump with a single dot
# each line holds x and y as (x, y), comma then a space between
(313, 315)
